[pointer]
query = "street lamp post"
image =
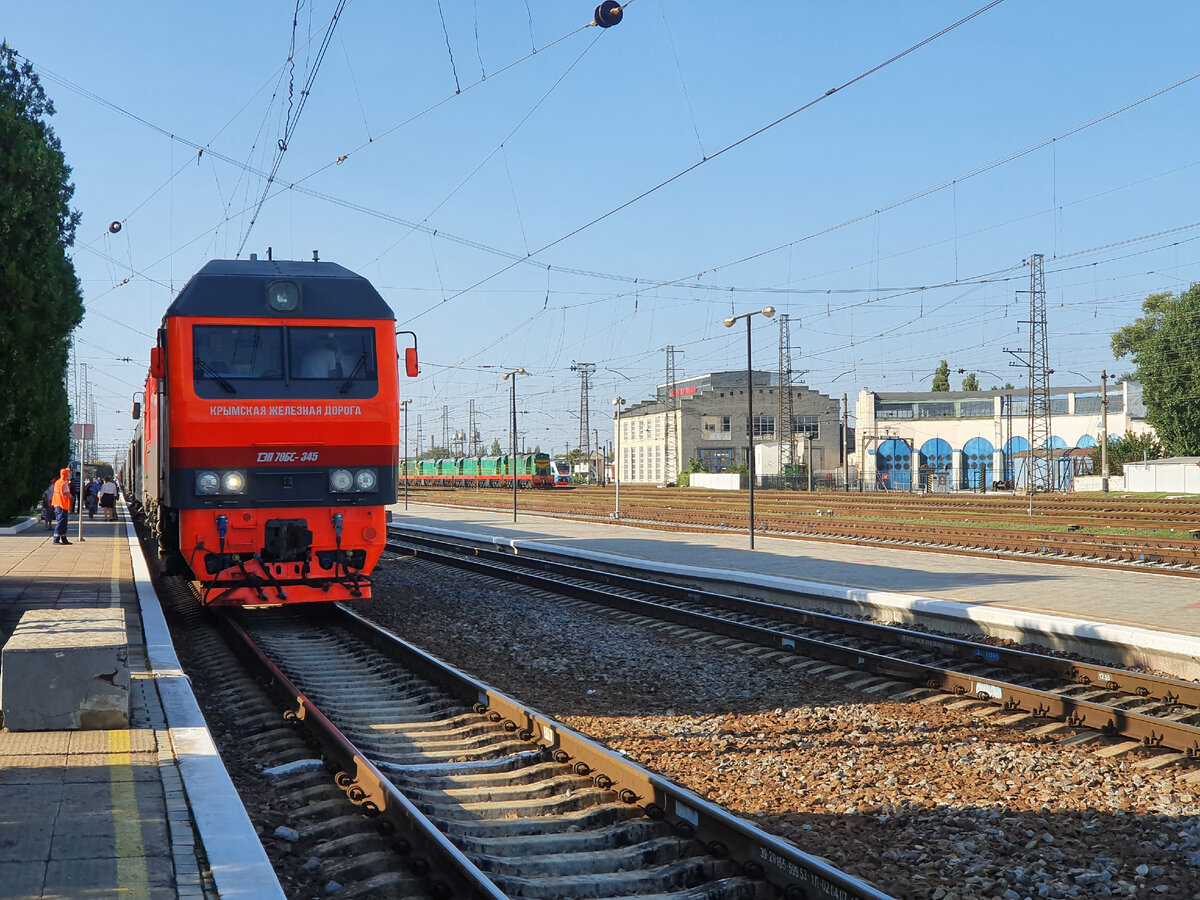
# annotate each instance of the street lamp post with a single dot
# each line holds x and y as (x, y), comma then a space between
(768, 311)
(618, 402)
(512, 460)
(404, 406)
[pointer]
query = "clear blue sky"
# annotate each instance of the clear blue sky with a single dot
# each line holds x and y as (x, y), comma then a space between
(504, 167)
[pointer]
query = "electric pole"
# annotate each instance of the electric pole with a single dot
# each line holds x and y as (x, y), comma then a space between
(787, 410)
(585, 370)
(671, 404)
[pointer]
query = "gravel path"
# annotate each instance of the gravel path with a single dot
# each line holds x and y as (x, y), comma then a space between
(924, 801)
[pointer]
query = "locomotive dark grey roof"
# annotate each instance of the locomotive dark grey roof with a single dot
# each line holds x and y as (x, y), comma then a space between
(238, 288)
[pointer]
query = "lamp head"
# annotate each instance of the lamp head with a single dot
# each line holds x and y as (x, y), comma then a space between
(729, 322)
(768, 311)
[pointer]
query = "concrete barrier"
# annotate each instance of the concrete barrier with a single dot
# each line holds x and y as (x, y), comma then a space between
(66, 670)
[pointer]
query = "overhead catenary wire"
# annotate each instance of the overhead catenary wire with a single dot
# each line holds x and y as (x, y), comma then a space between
(735, 144)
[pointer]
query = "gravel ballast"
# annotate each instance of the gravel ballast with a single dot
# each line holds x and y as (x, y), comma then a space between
(922, 800)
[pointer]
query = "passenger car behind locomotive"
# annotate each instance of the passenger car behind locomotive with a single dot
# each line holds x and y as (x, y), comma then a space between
(268, 448)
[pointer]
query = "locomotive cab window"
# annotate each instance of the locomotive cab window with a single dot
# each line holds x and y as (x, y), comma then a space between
(344, 357)
(224, 356)
(273, 361)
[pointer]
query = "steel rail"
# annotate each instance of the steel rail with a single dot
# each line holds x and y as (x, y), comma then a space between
(798, 875)
(449, 872)
(1152, 731)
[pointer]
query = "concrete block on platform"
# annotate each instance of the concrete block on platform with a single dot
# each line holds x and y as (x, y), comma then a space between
(66, 669)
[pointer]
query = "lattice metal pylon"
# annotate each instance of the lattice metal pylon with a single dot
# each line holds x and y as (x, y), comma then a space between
(1041, 467)
(787, 411)
(671, 405)
(472, 432)
(585, 370)
(446, 428)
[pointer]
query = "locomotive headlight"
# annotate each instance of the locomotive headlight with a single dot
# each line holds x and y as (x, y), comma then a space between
(341, 481)
(365, 480)
(207, 483)
(233, 482)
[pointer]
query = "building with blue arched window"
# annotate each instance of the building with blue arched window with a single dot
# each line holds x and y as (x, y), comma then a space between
(974, 440)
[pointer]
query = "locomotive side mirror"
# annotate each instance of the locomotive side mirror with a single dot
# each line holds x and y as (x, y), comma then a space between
(137, 410)
(410, 362)
(157, 367)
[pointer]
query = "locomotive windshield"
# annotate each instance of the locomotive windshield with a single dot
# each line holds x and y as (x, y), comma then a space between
(259, 361)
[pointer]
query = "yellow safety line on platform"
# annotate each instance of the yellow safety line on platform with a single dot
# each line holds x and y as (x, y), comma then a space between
(133, 877)
(114, 584)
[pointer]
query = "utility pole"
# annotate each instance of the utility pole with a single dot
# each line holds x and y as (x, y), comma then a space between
(671, 405)
(446, 428)
(845, 442)
(420, 434)
(1039, 376)
(787, 409)
(472, 432)
(1039, 469)
(585, 370)
(1104, 428)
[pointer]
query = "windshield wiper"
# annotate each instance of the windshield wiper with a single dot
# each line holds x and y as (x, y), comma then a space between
(215, 375)
(345, 385)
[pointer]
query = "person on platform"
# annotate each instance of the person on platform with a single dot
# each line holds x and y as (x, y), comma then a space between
(90, 499)
(62, 505)
(108, 500)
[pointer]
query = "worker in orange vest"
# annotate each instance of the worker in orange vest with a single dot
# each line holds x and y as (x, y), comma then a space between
(62, 505)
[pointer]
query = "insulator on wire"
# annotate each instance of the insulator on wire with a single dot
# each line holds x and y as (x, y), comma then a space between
(608, 13)
(114, 227)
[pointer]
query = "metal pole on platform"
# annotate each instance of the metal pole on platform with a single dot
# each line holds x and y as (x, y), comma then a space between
(768, 311)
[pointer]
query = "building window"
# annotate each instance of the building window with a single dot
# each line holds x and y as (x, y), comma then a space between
(894, 411)
(658, 464)
(935, 410)
(641, 429)
(715, 428)
(764, 426)
(625, 430)
(976, 408)
(809, 426)
(716, 461)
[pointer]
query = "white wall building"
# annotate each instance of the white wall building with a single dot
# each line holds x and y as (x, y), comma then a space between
(949, 440)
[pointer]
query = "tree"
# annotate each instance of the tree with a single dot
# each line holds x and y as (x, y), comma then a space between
(40, 298)
(941, 377)
(1129, 447)
(1163, 346)
(495, 448)
(970, 383)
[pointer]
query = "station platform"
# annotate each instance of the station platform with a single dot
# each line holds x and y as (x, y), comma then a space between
(1137, 618)
(143, 811)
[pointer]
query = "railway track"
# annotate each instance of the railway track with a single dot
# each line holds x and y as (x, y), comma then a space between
(488, 798)
(1146, 710)
(405, 778)
(952, 526)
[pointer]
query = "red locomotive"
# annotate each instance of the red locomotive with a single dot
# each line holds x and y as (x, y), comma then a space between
(269, 446)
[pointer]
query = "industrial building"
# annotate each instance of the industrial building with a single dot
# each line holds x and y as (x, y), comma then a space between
(954, 440)
(710, 414)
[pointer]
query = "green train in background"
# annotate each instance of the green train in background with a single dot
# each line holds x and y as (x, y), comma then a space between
(531, 470)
